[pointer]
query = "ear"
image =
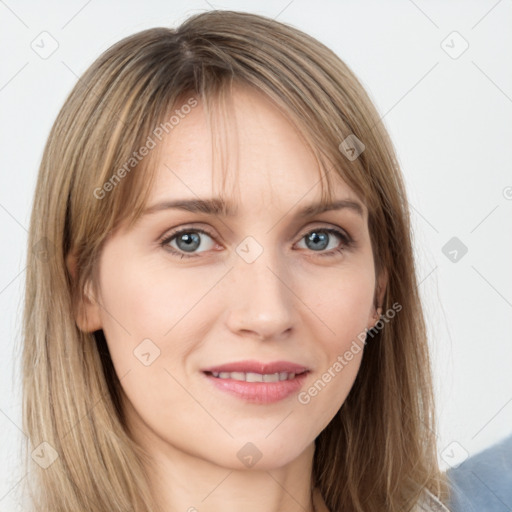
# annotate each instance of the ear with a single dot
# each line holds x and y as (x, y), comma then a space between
(380, 291)
(87, 310)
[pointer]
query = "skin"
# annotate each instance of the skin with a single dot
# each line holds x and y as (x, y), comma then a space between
(290, 304)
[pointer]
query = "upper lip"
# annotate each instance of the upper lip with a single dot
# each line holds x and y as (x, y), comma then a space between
(258, 367)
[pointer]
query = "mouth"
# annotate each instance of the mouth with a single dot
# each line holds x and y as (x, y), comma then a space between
(255, 377)
(256, 382)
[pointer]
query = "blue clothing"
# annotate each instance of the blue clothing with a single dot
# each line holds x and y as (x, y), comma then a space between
(483, 483)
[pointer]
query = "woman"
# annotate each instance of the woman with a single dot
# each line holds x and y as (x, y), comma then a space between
(258, 344)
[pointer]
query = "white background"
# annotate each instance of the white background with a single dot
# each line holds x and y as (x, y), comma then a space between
(450, 121)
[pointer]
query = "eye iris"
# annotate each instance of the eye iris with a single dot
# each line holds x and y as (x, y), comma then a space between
(192, 241)
(317, 237)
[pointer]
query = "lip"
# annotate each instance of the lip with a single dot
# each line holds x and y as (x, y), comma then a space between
(258, 392)
(258, 367)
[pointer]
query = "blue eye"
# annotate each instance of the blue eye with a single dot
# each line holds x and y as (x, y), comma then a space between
(188, 240)
(319, 239)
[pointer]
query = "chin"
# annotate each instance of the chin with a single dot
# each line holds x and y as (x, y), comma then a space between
(258, 453)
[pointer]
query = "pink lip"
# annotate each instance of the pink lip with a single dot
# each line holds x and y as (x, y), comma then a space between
(259, 392)
(258, 367)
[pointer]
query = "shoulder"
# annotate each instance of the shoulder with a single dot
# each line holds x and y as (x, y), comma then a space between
(429, 503)
(484, 481)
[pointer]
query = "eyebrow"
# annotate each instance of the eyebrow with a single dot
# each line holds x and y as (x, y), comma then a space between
(217, 206)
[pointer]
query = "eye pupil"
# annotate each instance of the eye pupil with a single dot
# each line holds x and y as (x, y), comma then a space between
(316, 237)
(192, 241)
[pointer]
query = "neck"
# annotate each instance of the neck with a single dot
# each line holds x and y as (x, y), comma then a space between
(182, 477)
(183, 481)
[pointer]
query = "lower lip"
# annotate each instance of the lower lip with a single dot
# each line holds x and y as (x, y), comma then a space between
(259, 392)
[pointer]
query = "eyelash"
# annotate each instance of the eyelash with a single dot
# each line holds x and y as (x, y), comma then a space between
(347, 241)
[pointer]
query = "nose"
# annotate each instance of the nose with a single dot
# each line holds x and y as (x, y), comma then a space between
(261, 301)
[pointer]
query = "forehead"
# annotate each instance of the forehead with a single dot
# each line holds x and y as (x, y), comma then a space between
(265, 162)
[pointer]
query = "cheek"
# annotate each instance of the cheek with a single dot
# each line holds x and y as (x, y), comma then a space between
(144, 315)
(147, 300)
(135, 308)
(341, 307)
(342, 301)
(328, 386)
(152, 308)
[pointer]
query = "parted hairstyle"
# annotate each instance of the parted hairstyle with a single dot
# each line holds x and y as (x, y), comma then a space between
(378, 453)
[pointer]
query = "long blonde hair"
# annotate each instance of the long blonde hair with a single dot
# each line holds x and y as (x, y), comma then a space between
(378, 452)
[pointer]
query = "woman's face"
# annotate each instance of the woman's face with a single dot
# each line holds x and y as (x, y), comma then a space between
(269, 285)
